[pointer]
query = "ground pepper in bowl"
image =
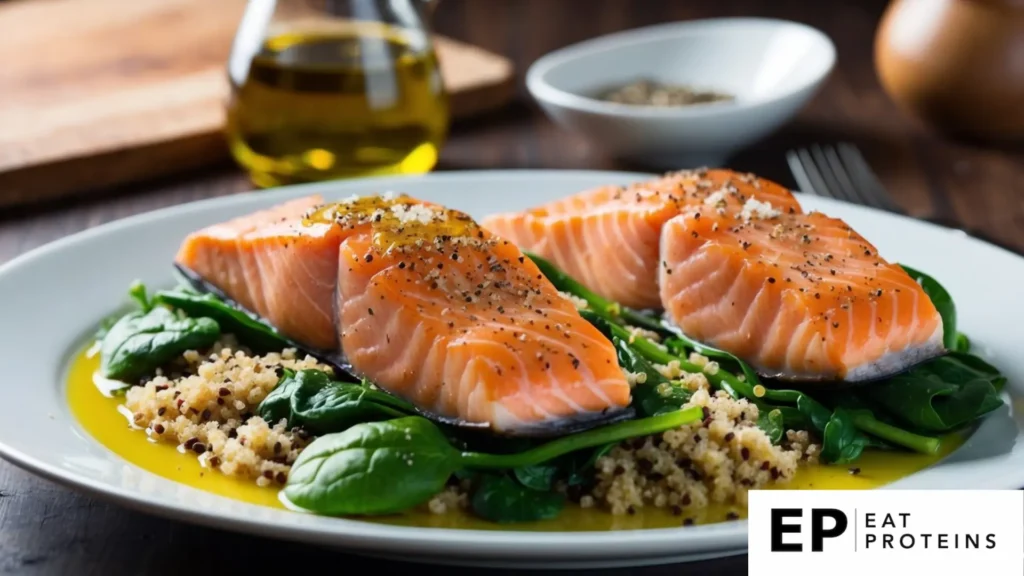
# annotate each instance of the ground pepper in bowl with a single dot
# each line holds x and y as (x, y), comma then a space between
(652, 93)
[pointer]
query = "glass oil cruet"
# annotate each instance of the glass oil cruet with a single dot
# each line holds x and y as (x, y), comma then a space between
(324, 89)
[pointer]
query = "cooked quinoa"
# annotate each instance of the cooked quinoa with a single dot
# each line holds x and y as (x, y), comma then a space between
(717, 460)
(454, 497)
(207, 406)
(578, 302)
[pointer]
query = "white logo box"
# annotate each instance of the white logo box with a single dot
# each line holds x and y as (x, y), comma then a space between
(932, 532)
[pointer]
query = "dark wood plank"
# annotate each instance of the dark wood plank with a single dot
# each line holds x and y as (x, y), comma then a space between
(46, 529)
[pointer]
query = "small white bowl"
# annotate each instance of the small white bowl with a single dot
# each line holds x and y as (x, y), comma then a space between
(772, 67)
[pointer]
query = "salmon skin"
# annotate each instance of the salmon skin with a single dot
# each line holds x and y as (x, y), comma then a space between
(333, 358)
(609, 238)
(423, 302)
(801, 297)
(735, 263)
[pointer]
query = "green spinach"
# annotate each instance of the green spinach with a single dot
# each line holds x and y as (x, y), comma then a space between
(683, 343)
(660, 355)
(940, 395)
(841, 441)
(651, 352)
(372, 468)
(385, 467)
(773, 424)
(580, 465)
(498, 498)
(798, 410)
(842, 436)
(250, 331)
(309, 398)
(656, 395)
(137, 292)
(539, 476)
(963, 343)
(574, 468)
(846, 434)
(141, 342)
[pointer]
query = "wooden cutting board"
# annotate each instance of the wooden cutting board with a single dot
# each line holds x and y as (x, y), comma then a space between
(95, 93)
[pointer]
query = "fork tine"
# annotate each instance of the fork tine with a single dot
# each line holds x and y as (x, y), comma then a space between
(828, 177)
(799, 174)
(818, 186)
(864, 178)
(850, 189)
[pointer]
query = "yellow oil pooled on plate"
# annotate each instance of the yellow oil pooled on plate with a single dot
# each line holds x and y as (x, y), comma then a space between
(98, 415)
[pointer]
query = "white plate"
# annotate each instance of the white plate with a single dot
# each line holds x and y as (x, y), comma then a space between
(54, 296)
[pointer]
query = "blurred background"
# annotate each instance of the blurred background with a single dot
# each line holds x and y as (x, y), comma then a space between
(105, 97)
(114, 107)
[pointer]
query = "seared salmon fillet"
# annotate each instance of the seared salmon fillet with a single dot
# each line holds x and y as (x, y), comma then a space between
(271, 266)
(799, 296)
(425, 303)
(608, 238)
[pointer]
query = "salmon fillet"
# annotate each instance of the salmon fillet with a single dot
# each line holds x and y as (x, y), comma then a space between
(271, 266)
(425, 303)
(799, 296)
(608, 238)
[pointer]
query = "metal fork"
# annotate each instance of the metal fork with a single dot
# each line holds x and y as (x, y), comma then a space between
(841, 172)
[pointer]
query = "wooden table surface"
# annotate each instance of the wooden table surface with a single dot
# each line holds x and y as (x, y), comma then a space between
(48, 529)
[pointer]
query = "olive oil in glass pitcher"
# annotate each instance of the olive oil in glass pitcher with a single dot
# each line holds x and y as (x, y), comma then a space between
(334, 89)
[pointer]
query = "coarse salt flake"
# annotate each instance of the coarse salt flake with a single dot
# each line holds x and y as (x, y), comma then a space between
(407, 214)
(717, 197)
(755, 209)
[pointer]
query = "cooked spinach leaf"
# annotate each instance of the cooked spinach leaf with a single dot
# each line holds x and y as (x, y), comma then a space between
(385, 467)
(772, 423)
(580, 465)
(277, 405)
(683, 344)
(141, 342)
(309, 398)
(942, 394)
(372, 468)
(575, 468)
(812, 414)
(841, 441)
(656, 394)
(651, 352)
(137, 292)
(963, 343)
(538, 477)
(498, 498)
(799, 410)
(249, 330)
(943, 304)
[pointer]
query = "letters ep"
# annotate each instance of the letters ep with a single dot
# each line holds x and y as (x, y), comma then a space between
(780, 527)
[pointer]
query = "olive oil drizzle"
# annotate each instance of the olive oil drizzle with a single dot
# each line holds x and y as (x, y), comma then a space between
(400, 222)
(98, 416)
